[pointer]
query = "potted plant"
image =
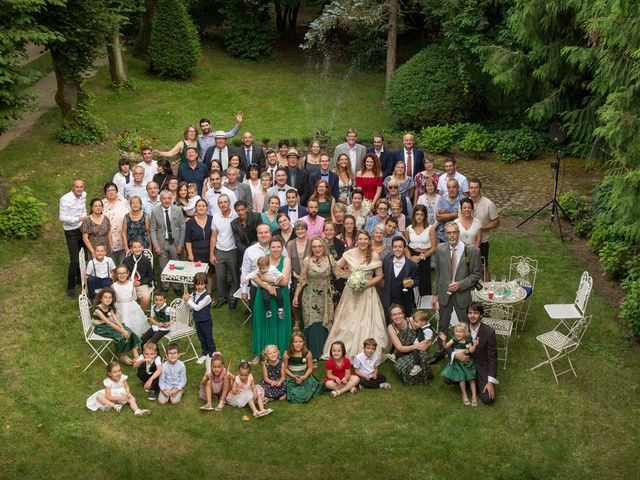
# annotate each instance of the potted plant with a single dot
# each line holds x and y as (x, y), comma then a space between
(130, 143)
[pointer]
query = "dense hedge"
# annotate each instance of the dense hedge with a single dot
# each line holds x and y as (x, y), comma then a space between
(427, 90)
(174, 47)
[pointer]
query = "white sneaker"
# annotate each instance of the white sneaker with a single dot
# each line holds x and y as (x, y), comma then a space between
(415, 370)
(385, 386)
(141, 412)
(391, 357)
(201, 360)
(117, 408)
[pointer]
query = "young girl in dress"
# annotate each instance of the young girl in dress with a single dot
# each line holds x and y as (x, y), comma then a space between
(273, 376)
(115, 394)
(339, 378)
(216, 381)
(245, 392)
(129, 311)
(457, 370)
(301, 384)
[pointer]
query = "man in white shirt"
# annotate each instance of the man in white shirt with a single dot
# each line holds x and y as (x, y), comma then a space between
(152, 198)
(149, 164)
(137, 188)
(215, 191)
(272, 165)
(354, 151)
(223, 252)
(487, 212)
(452, 173)
(279, 189)
(73, 211)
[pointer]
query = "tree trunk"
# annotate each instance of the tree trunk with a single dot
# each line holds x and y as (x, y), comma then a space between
(144, 35)
(68, 92)
(117, 62)
(391, 40)
(281, 20)
(293, 17)
(4, 197)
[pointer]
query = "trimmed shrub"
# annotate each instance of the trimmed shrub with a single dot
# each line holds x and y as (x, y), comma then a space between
(174, 47)
(514, 145)
(23, 217)
(427, 90)
(476, 140)
(436, 140)
(85, 128)
(250, 32)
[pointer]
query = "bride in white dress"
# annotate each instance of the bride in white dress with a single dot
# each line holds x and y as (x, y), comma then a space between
(359, 314)
(128, 309)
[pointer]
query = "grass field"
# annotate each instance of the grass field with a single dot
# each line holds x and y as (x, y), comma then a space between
(587, 427)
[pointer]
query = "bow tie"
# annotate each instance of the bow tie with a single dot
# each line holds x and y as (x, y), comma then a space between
(218, 192)
(398, 264)
(293, 209)
(281, 189)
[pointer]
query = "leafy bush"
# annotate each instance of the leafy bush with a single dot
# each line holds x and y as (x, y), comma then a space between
(600, 234)
(583, 227)
(575, 206)
(630, 308)
(514, 145)
(23, 217)
(476, 140)
(250, 33)
(436, 140)
(427, 90)
(85, 128)
(615, 258)
(174, 47)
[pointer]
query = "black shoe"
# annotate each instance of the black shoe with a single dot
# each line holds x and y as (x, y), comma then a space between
(233, 303)
(435, 358)
(219, 303)
(71, 293)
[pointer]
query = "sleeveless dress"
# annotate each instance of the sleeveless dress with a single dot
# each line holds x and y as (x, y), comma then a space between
(137, 229)
(129, 312)
(424, 266)
(344, 190)
(273, 372)
(98, 233)
(273, 225)
(100, 328)
(404, 360)
(308, 389)
(358, 316)
(271, 331)
(456, 370)
(116, 389)
(324, 209)
(183, 153)
(217, 385)
(245, 394)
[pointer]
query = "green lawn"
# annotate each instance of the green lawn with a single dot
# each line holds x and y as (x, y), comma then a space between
(583, 428)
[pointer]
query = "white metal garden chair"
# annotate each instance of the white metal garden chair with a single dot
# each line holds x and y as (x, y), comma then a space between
(247, 303)
(524, 271)
(563, 312)
(99, 345)
(82, 259)
(557, 345)
(180, 328)
(500, 318)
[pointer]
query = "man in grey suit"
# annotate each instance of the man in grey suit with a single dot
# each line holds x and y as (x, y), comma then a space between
(241, 190)
(249, 153)
(453, 290)
(167, 230)
(279, 189)
(353, 150)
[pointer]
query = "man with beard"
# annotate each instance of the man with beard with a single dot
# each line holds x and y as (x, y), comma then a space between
(207, 138)
(315, 223)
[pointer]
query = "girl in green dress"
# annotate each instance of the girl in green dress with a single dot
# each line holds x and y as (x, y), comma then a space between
(106, 324)
(457, 370)
(302, 385)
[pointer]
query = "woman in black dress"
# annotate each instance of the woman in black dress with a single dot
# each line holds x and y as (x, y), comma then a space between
(197, 237)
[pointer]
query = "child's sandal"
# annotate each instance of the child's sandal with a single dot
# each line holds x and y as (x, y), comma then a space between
(466, 401)
(220, 406)
(335, 393)
(474, 402)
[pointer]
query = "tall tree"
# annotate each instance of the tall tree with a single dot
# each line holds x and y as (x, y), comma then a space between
(18, 27)
(286, 15)
(119, 13)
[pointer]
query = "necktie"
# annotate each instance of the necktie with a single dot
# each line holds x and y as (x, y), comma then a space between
(248, 155)
(220, 156)
(453, 264)
(409, 164)
(273, 177)
(168, 222)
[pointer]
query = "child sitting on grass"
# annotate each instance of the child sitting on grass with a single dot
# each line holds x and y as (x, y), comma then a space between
(115, 394)
(245, 392)
(366, 366)
(173, 378)
(149, 366)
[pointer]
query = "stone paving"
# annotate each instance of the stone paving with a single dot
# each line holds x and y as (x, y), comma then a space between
(526, 185)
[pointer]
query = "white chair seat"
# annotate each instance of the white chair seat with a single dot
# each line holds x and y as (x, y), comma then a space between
(98, 338)
(502, 327)
(556, 340)
(179, 330)
(559, 311)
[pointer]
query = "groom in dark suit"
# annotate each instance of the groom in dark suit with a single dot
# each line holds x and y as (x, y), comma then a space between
(396, 268)
(485, 355)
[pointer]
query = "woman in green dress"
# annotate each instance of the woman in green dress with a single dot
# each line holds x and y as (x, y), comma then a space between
(302, 385)
(190, 140)
(106, 324)
(402, 335)
(322, 195)
(317, 295)
(273, 330)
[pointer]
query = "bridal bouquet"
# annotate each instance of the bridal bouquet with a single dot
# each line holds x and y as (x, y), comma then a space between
(357, 281)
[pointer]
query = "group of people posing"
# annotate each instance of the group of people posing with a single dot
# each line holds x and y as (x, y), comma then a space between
(324, 246)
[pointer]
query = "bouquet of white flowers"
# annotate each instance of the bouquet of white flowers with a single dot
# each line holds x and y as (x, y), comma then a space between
(357, 281)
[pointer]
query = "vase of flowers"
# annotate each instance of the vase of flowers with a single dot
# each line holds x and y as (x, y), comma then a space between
(130, 143)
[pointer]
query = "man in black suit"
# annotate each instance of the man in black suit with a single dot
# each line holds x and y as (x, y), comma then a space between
(220, 151)
(298, 178)
(293, 209)
(396, 268)
(249, 153)
(413, 157)
(384, 155)
(244, 227)
(325, 174)
(485, 355)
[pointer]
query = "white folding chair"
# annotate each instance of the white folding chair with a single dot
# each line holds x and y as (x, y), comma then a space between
(98, 344)
(180, 328)
(557, 345)
(83, 269)
(562, 312)
(500, 318)
(524, 271)
(247, 303)
(422, 302)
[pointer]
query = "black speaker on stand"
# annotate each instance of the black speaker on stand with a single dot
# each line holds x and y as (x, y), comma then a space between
(558, 137)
